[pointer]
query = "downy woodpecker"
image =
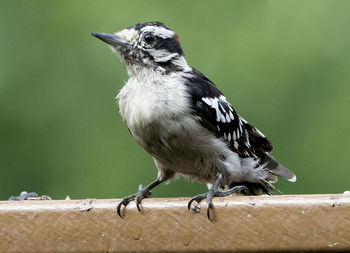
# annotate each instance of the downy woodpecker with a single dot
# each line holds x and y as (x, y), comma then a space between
(185, 122)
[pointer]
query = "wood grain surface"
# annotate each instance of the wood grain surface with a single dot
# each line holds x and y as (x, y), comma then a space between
(250, 224)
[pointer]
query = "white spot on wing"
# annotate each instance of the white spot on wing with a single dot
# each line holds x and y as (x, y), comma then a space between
(207, 101)
(231, 115)
(228, 118)
(240, 126)
(247, 139)
(222, 97)
(260, 133)
(216, 107)
(243, 120)
(214, 103)
(222, 117)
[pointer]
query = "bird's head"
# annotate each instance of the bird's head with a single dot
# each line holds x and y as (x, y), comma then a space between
(152, 45)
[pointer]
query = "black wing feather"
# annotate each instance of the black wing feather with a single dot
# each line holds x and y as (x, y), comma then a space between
(218, 116)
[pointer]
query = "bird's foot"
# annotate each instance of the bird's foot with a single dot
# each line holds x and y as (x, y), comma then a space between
(214, 192)
(142, 193)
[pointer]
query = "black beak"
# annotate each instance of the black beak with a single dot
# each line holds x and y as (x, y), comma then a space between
(110, 39)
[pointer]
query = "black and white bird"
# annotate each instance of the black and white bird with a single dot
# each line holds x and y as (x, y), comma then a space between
(184, 121)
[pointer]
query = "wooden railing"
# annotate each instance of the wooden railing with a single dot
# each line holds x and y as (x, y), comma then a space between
(292, 223)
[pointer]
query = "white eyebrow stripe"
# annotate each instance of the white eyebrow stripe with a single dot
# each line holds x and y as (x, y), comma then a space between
(159, 31)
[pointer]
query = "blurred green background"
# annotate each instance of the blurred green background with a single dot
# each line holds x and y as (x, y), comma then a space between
(284, 65)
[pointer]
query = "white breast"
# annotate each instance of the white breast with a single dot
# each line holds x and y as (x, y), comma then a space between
(150, 96)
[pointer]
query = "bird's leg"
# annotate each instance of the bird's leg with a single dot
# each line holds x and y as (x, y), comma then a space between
(143, 192)
(214, 192)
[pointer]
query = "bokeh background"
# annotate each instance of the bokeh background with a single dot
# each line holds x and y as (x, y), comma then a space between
(284, 65)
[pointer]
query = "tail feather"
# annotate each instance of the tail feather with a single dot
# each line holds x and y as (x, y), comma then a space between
(264, 184)
(278, 169)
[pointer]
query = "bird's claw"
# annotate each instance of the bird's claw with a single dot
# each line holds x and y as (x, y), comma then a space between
(209, 196)
(209, 207)
(124, 202)
(216, 193)
(197, 198)
(139, 196)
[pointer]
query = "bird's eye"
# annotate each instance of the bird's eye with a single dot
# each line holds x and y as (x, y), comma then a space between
(149, 38)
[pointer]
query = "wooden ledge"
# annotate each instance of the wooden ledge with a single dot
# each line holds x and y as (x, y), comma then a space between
(249, 224)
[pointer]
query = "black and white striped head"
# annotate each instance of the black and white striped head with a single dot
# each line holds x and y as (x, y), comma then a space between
(150, 44)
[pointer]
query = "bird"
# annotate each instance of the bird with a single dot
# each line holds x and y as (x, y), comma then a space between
(182, 119)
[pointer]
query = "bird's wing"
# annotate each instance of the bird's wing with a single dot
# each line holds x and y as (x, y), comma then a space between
(217, 115)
